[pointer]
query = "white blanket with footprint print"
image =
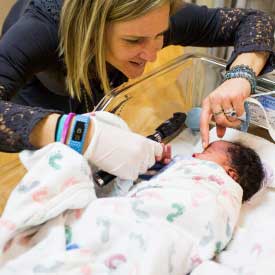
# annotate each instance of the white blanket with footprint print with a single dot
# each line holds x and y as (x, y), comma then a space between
(54, 224)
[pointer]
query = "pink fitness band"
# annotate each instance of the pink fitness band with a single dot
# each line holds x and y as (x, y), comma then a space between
(66, 127)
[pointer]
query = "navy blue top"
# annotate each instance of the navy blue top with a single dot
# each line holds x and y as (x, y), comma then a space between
(32, 75)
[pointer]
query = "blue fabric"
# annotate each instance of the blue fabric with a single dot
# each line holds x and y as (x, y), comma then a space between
(193, 119)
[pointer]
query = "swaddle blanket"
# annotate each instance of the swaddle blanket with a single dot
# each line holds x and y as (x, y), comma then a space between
(54, 224)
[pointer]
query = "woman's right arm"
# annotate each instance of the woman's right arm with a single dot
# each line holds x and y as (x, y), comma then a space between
(25, 49)
(21, 127)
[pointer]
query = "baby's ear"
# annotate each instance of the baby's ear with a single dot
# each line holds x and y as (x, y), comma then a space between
(232, 173)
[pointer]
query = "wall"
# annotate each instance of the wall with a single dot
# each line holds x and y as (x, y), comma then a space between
(5, 6)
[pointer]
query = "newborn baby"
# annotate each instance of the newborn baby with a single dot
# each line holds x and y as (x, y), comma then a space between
(171, 223)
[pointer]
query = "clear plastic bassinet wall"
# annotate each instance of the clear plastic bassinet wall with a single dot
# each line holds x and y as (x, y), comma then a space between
(178, 86)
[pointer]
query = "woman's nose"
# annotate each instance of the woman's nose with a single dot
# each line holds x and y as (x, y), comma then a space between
(149, 55)
(150, 50)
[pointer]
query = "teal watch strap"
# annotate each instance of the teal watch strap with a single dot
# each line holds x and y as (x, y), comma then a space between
(79, 132)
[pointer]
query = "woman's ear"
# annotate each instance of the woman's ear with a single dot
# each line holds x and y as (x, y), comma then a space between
(232, 173)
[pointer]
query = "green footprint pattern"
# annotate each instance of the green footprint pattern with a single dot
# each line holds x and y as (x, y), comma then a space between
(53, 160)
(179, 211)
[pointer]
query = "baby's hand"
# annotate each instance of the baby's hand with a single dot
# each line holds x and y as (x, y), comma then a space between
(161, 162)
(166, 154)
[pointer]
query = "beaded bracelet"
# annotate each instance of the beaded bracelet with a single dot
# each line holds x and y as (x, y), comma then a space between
(242, 71)
(243, 67)
(66, 127)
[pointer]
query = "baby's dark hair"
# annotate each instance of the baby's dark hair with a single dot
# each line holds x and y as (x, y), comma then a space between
(249, 168)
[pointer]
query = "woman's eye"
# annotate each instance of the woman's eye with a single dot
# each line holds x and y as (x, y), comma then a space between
(133, 41)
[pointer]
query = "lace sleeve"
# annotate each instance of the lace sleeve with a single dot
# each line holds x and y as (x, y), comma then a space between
(251, 30)
(16, 124)
(245, 29)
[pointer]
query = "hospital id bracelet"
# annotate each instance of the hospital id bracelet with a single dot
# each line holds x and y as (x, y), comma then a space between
(243, 71)
(79, 132)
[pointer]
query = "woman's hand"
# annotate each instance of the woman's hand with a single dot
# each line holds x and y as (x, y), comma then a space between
(230, 95)
(118, 151)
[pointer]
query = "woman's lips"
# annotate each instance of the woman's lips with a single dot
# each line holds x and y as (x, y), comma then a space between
(138, 64)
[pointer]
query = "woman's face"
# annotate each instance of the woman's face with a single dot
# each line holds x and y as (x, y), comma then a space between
(130, 44)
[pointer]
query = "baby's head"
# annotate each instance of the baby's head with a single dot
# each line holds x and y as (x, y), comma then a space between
(240, 162)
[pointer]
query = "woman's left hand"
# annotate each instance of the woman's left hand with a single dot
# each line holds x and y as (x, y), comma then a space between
(229, 96)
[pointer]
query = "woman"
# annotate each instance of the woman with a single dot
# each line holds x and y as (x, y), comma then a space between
(61, 56)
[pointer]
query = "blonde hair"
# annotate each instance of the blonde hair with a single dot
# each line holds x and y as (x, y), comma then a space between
(82, 29)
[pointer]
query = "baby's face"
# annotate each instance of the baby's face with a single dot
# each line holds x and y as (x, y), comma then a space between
(216, 152)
